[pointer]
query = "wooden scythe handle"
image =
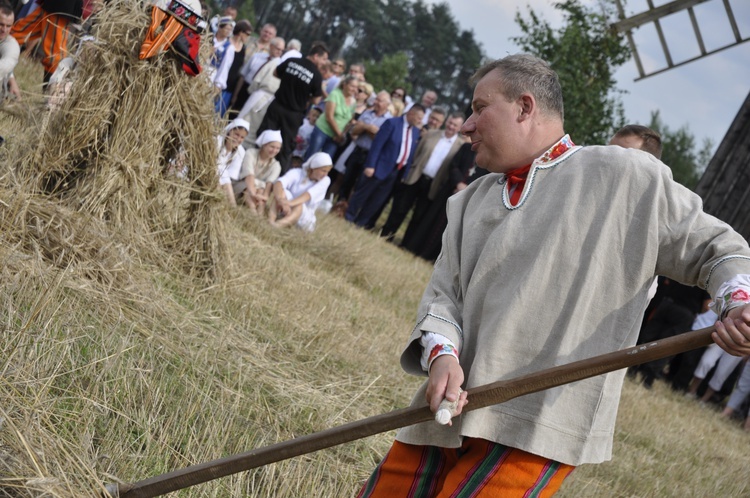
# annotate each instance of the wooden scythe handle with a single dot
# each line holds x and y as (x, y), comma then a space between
(482, 396)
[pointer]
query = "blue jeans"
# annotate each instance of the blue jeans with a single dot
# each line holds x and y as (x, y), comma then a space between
(320, 142)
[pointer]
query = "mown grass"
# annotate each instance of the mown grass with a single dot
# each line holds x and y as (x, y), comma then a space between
(119, 379)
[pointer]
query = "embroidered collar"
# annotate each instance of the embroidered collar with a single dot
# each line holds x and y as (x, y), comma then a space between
(556, 154)
(557, 150)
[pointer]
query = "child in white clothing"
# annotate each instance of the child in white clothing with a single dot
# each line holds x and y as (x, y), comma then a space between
(298, 193)
(231, 154)
(740, 393)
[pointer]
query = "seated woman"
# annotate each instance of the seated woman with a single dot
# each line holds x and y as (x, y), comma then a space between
(231, 154)
(260, 169)
(297, 194)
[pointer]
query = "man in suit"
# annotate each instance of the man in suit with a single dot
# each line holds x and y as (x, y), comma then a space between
(435, 151)
(388, 161)
(428, 101)
(436, 119)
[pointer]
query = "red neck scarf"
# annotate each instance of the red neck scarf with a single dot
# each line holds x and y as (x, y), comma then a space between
(517, 177)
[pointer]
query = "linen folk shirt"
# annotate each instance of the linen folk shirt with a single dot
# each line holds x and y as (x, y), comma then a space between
(561, 276)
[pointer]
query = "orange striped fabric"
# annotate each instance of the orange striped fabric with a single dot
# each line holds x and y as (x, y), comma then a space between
(479, 469)
(52, 29)
(158, 37)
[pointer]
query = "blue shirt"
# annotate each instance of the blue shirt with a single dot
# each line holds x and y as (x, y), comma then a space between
(369, 117)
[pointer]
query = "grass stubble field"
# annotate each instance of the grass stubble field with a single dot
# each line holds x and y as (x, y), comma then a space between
(117, 366)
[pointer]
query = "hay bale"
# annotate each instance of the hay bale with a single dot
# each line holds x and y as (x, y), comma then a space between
(68, 240)
(106, 151)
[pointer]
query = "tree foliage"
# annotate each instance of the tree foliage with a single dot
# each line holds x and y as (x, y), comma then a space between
(437, 53)
(388, 73)
(216, 7)
(681, 153)
(585, 53)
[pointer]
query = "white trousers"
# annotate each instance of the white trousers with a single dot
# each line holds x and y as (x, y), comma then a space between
(726, 365)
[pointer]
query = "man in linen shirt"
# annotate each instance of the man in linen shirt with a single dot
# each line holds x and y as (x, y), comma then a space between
(546, 260)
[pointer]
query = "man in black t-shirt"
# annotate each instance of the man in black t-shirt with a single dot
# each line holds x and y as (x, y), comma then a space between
(301, 86)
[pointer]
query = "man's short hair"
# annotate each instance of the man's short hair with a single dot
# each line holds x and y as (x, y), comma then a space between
(439, 110)
(294, 44)
(6, 9)
(386, 93)
(318, 48)
(417, 107)
(651, 138)
(525, 73)
(455, 115)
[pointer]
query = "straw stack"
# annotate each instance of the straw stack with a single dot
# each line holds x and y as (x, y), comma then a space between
(107, 151)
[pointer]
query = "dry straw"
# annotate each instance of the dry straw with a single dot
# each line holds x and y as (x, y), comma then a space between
(107, 150)
(118, 364)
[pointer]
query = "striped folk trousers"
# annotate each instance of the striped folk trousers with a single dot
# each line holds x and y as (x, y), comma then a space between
(51, 29)
(479, 469)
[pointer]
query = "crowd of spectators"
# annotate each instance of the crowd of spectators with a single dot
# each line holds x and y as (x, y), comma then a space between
(303, 127)
(707, 374)
(381, 144)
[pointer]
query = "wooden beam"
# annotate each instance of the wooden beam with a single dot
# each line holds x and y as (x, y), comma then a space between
(481, 396)
(653, 14)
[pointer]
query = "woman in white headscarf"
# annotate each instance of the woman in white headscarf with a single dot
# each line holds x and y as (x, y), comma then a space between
(231, 154)
(297, 194)
(259, 170)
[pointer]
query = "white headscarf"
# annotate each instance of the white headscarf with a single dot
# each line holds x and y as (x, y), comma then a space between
(268, 136)
(237, 123)
(318, 160)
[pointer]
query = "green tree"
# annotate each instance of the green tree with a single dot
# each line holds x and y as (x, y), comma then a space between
(443, 57)
(681, 153)
(439, 55)
(391, 71)
(585, 53)
(244, 9)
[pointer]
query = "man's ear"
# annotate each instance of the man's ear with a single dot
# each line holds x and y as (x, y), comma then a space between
(527, 105)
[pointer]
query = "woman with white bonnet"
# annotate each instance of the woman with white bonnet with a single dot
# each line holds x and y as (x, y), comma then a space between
(259, 170)
(298, 193)
(231, 154)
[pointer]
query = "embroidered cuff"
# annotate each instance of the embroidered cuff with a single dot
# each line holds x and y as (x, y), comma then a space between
(433, 346)
(440, 350)
(733, 293)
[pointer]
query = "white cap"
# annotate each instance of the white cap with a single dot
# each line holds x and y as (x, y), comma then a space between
(268, 136)
(318, 160)
(238, 123)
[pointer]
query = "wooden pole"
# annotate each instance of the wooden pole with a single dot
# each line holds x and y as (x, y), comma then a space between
(480, 397)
